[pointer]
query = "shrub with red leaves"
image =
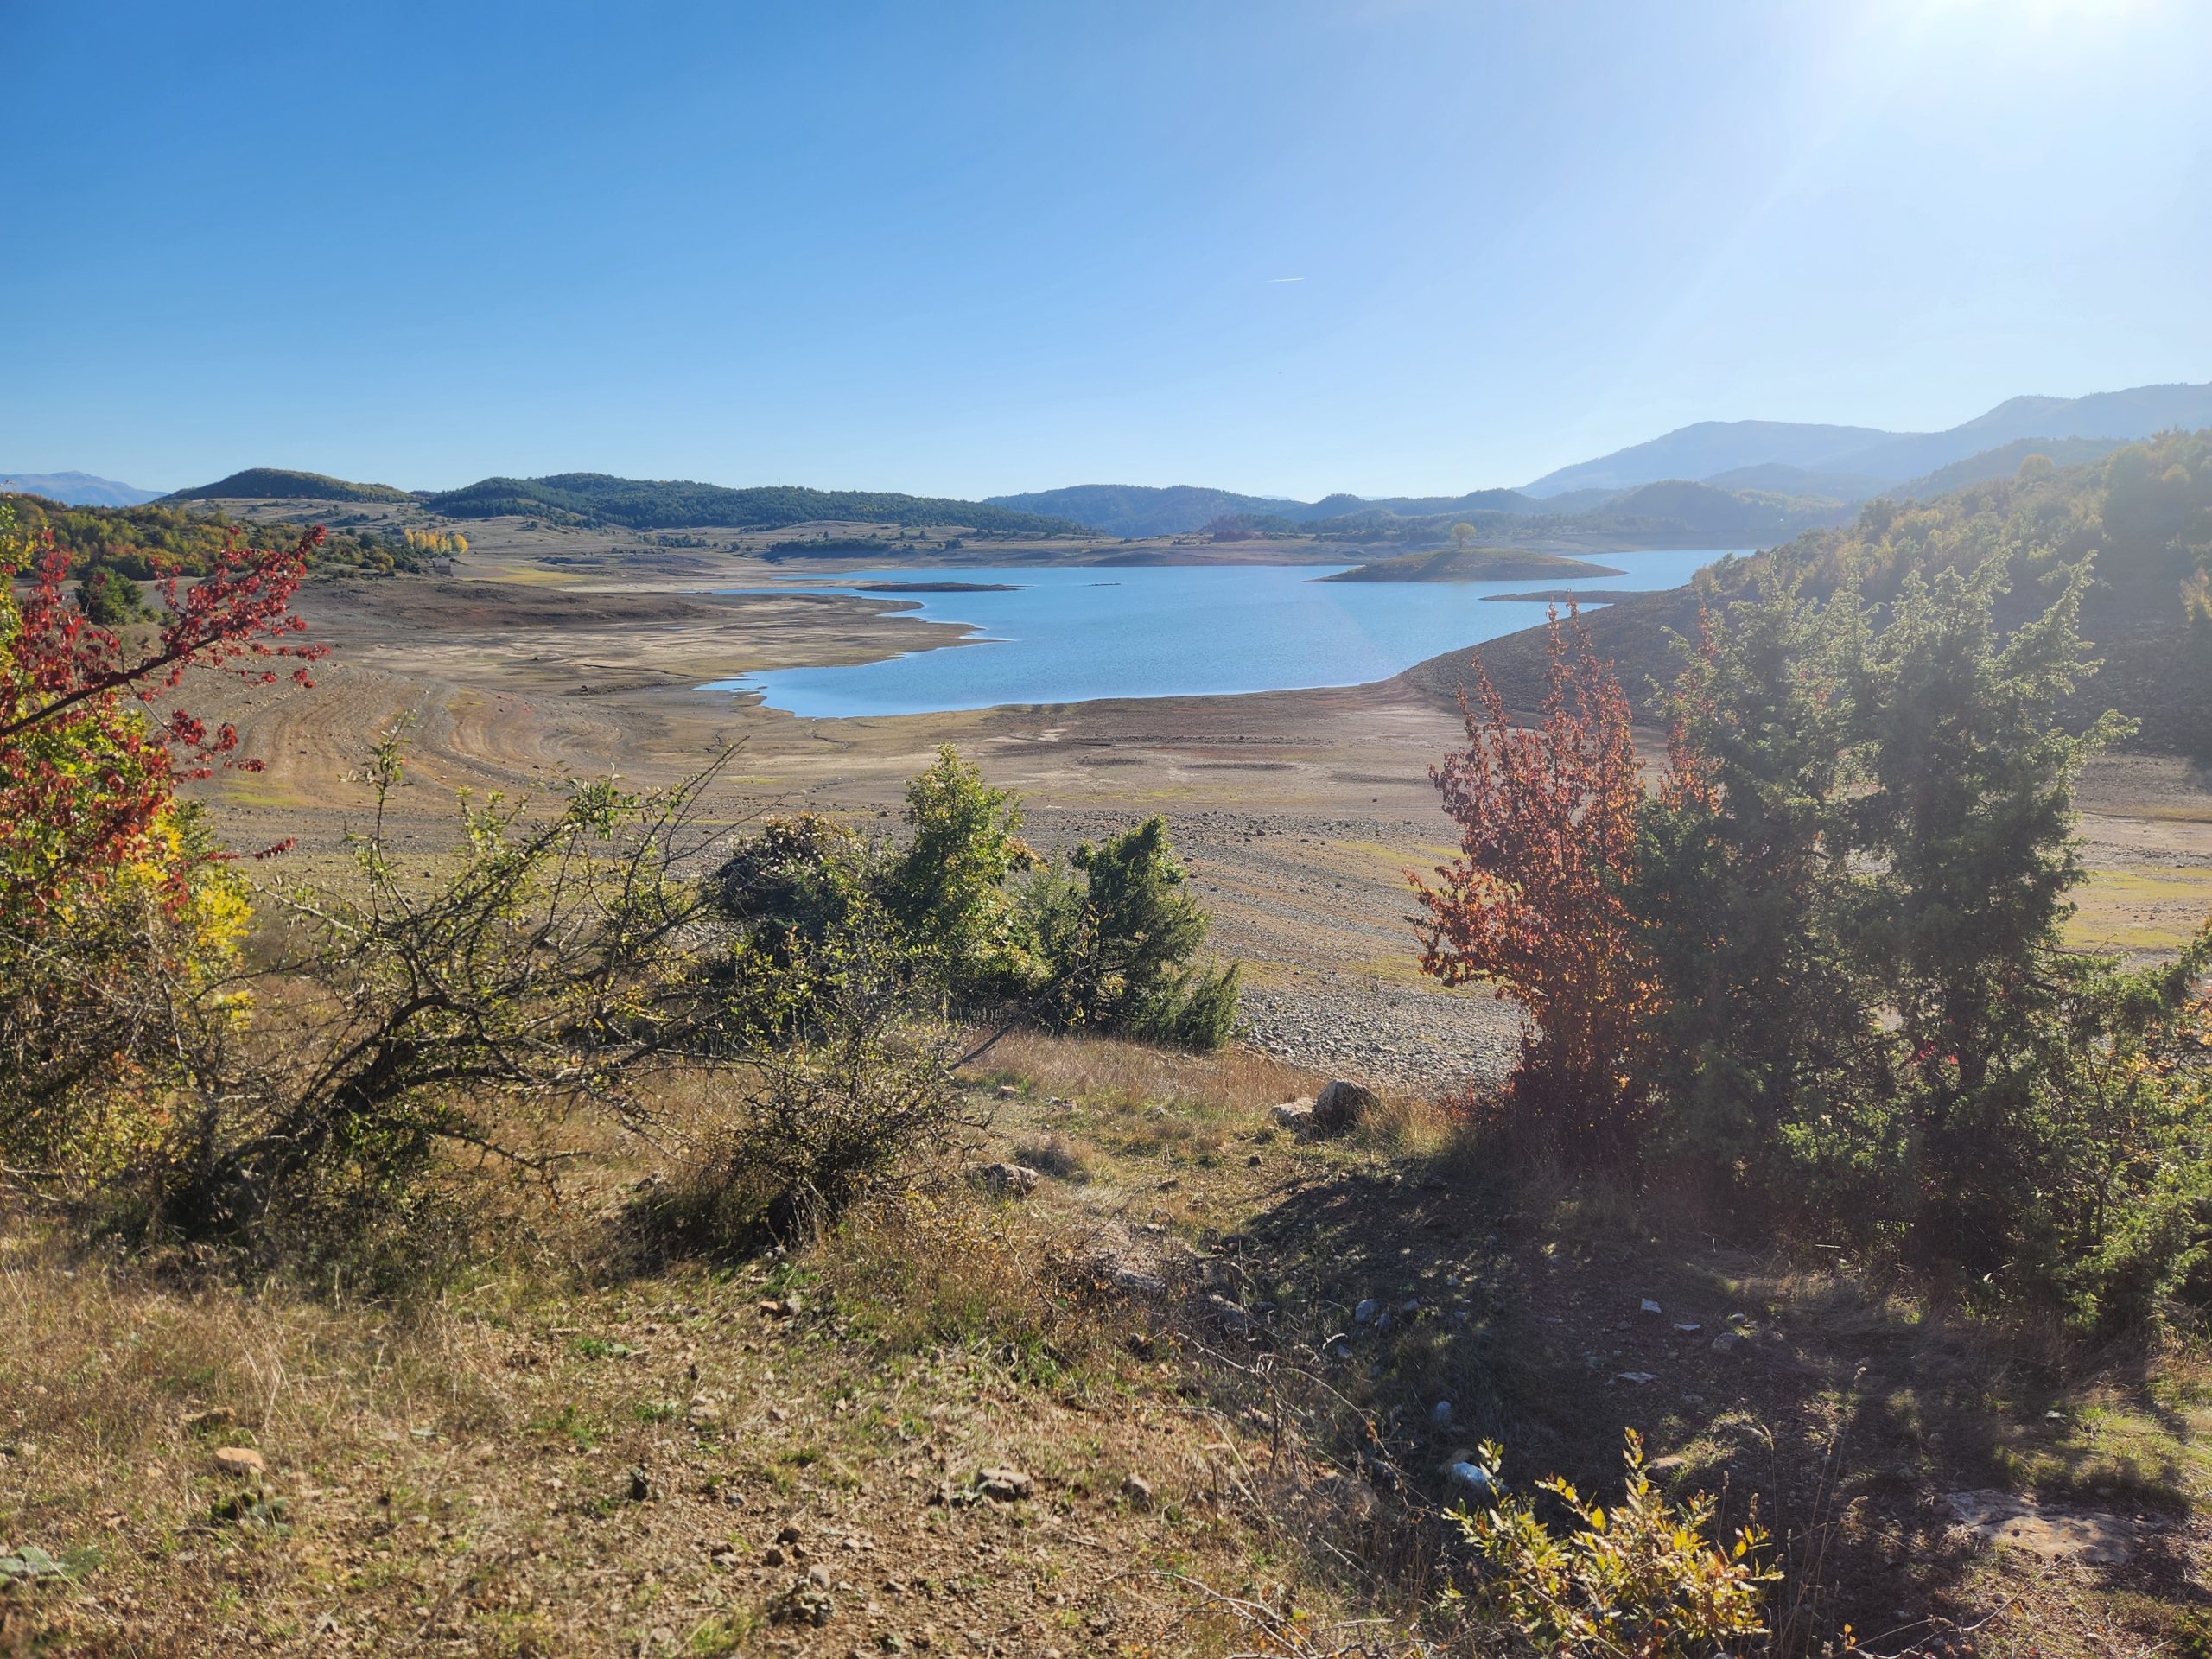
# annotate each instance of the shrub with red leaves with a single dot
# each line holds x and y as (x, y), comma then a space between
(93, 743)
(1535, 902)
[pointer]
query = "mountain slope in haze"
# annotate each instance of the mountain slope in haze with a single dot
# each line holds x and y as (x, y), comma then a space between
(1711, 446)
(2139, 412)
(2145, 511)
(77, 489)
(1718, 452)
(2001, 462)
(668, 504)
(1773, 478)
(283, 484)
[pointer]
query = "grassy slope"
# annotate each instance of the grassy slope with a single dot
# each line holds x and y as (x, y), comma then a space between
(574, 1450)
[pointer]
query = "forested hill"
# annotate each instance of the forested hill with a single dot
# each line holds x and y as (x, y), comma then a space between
(144, 540)
(652, 504)
(2145, 511)
(281, 483)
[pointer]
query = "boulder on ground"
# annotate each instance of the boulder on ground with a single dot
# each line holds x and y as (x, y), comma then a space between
(1339, 1109)
(1007, 1181)
(1296, 1115)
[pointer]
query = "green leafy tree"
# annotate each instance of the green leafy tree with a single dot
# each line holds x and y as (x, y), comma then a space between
(949, 888)
(1967, 806)
(111, 600)
(1743, 877)
(1118, 943)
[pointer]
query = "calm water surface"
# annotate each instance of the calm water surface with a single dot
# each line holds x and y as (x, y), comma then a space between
(1071, 634)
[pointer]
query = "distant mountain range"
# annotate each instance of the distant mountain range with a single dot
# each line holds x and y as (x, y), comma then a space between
(1711, 449)
(77, 489)
(1717, 483)
(1792, 461)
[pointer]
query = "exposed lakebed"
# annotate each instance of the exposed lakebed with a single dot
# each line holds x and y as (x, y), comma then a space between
(1080, 632)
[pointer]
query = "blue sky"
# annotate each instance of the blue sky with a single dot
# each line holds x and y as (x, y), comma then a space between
(966, 249)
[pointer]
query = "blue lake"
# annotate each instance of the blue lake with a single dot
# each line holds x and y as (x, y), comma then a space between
(1074, 634)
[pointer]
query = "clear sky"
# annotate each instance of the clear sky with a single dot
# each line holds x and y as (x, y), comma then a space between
(965, 249)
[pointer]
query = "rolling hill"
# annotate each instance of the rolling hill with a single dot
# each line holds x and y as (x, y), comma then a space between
(281, 483)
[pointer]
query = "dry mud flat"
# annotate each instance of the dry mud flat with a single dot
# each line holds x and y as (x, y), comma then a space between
(1298, 812)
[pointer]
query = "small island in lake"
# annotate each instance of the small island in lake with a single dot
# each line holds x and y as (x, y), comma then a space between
(1473, 565)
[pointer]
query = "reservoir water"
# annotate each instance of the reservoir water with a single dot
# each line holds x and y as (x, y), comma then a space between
(1074, 634)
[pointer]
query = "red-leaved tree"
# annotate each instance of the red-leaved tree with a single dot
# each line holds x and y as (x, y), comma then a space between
(1534, 903)
(93, 743)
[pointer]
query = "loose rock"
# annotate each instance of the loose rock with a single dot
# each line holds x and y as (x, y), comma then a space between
(2053, 1535)
(240, 1460)
(1007, 1181)
(1338, 1108)
(1296, 1115)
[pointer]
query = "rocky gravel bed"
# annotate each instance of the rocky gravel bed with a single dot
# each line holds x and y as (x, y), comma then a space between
(1406, 1039)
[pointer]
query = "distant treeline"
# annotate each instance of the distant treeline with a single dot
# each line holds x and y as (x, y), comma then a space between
(1674, 513)
(824, 547)
(140, 542)
(596, 498)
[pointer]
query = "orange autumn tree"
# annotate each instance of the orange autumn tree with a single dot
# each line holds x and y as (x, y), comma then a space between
(1535, 903)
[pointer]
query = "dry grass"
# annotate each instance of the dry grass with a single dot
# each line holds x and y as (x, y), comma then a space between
(1236, 1079)
(566, 1451)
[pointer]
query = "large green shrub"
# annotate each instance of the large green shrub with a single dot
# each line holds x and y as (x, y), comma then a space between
(1851, 890)
(1106, 940)
(1117, 934)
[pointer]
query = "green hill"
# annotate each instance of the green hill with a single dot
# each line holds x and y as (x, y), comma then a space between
(658, 504)
(280, 483)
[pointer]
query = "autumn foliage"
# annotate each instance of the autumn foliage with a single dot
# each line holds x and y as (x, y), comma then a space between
(1535, 903)
(92, 742)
